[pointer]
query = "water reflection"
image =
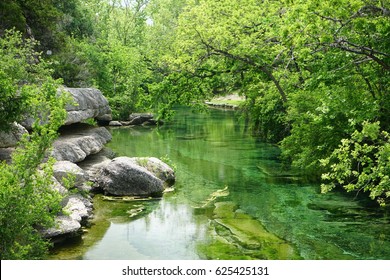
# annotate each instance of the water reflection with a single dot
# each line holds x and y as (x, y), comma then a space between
(211, 152)
(168, 232)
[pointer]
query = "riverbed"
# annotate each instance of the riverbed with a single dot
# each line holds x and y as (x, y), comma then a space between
(232, 200)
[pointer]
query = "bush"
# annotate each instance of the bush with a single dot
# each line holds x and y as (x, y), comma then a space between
(19, 65)
(28, 202)
(361, 163)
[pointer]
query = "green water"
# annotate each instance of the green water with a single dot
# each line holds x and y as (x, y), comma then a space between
(231, 200)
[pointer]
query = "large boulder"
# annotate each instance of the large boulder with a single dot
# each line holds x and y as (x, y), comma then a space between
(79, 141)
(6, 154)
(141, 119)
(88, 103)
(66, 170)
(93, 163)
(79, 208)
(123, 177)
(13, 136)
(157, 167)
(65, 227)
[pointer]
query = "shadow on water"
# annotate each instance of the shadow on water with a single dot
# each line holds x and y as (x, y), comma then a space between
(232, 200)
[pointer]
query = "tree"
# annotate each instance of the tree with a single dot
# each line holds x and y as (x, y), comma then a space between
(17, 67)
(28, 202)
(230, 46)
(361, 163)
(313, 72)
(240, 33)
(342, 88)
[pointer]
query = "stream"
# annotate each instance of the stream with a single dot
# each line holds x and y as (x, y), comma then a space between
(232, 200)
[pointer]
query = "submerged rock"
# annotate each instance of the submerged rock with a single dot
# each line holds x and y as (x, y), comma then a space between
(123, 177)
(237, 235)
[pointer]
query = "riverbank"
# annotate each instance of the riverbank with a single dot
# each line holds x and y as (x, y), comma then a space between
(83, 166)
(230, 101)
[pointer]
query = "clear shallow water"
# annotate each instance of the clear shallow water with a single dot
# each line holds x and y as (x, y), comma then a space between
(231, 201)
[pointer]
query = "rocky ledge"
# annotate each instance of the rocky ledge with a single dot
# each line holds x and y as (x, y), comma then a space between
(89, 103)
(78, 141)
(83, 160)
(86, 103)
(77, 202)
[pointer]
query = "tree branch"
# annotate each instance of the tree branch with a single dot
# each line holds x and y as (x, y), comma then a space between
(246, 60)
(354, 48)
(373, 11)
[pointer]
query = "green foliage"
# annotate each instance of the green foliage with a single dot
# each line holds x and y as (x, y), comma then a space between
(345, 79)
(11, 16)
(17, 67)
(267, 115)
(34, 19)
(320, 119)
(72, 65)
(112, 59)
(361, 163)
(312, 72)
(76, 18)
(28, 202)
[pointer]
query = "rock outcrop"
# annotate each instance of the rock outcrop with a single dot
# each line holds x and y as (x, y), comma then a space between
(141, 119)
(76, 142)
(6, 154)
(88, 103)
(84, 164)
(85, 103)
(65, 227)
(123, 177)
(80, 141)
(12, 137)
(68, 170)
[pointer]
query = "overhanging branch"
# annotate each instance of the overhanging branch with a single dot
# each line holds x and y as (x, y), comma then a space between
(211, 50)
